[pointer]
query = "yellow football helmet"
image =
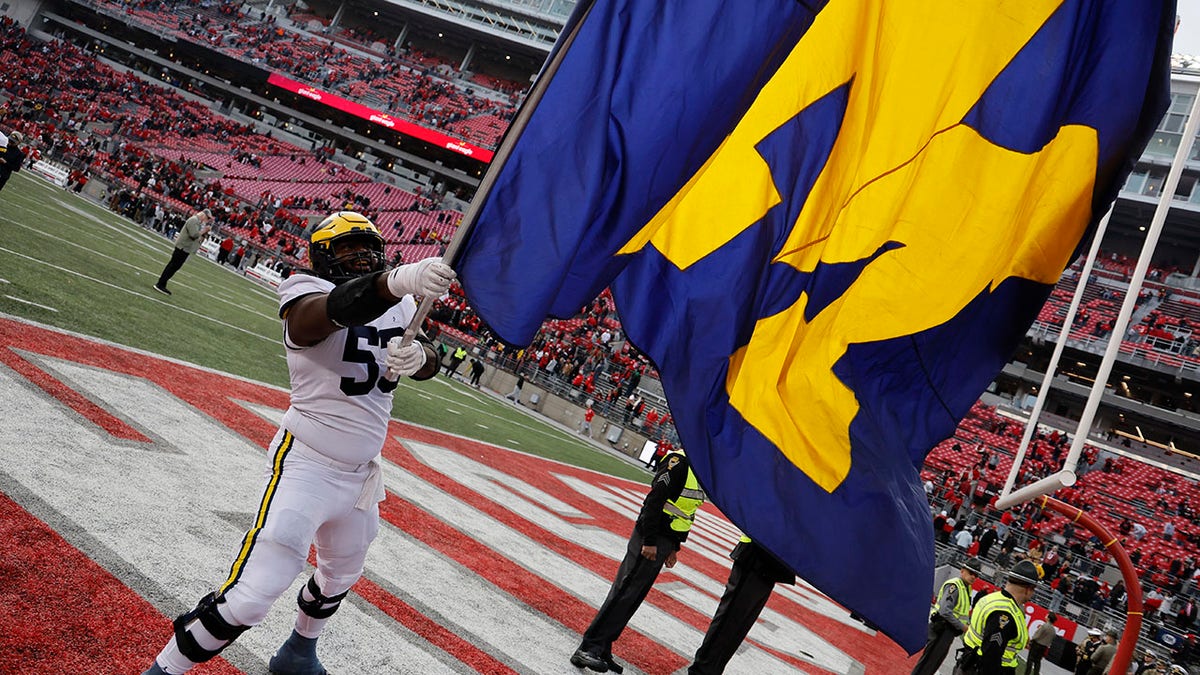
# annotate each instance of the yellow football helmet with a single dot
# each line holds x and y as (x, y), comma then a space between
(325, 252)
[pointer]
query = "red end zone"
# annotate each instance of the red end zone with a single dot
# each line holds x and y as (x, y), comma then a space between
(68, 613)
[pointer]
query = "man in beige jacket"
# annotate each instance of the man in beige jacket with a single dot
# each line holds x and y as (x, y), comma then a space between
(1039, 644)
(186, 243)
(1103, 656)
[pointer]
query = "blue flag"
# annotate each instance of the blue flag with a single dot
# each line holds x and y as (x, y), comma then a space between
(828, 224)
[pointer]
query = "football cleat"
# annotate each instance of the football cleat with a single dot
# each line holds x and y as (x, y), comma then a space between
(297, 656)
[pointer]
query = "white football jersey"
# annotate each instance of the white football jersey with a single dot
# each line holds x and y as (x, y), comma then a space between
(341, 402)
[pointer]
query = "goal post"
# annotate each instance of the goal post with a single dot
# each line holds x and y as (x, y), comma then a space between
(1066, 476)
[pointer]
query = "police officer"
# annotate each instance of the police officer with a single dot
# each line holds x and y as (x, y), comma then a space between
(997, 632)
(1084, 651)
(753, 576)
(950, 618)
(662, 525)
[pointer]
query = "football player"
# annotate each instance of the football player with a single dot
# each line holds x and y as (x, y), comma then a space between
(341, 329)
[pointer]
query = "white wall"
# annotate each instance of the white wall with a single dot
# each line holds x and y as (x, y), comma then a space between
(21, 10)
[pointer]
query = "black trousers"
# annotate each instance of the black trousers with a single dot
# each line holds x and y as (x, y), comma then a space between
(1036, 653)
(634, 579)
(178, 257)
(746, 594)
(941, 637)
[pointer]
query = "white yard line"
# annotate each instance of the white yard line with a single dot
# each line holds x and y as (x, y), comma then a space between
(30, 302)
(463, 392)
(272, 339)
(150, 272)
(546, 430)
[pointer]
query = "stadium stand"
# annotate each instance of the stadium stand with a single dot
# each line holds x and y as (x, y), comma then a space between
(1164, 319)
(965, 472)
(406, 83)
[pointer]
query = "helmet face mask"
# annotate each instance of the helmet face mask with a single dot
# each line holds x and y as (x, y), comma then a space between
(328, 254)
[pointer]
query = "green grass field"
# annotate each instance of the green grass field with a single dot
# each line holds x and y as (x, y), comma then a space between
(70, 263)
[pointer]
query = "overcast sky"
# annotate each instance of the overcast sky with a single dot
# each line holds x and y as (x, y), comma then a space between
(1187, 40)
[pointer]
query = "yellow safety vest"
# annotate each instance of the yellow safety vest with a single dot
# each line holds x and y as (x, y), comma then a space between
(997, 602)
(682, 510)
(962, 607)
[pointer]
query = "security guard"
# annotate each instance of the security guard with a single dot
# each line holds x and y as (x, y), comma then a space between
(997, 632)
(753, 576)
(663, 524)
(1085, 650)
(950, 618)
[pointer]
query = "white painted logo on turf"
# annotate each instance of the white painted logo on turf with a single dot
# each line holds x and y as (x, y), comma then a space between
(162, 513)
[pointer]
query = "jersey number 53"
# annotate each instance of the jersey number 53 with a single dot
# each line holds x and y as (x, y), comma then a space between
(362, 345)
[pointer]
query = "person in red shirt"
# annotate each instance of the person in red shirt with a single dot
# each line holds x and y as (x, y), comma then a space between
(586, 427)
(651, 419)
(224, 250)
(664, 446)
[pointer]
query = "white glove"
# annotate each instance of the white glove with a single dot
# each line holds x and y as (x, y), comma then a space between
(430, 276)
(404, 361)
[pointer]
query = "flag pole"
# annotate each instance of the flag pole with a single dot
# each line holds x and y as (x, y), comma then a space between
(565, 40)
(1066, 476)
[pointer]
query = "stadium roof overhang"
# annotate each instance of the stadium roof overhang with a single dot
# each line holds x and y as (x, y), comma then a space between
(1180, 236)
(1183, 422)
(524, 34)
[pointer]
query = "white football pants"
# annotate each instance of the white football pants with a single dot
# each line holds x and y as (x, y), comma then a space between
(309, 499)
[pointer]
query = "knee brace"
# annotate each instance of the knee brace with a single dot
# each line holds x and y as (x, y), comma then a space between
(205, 622)
(321, 606)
